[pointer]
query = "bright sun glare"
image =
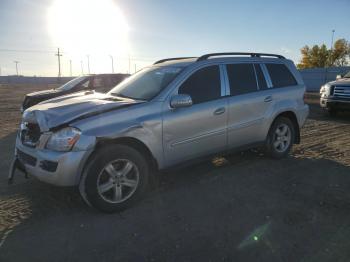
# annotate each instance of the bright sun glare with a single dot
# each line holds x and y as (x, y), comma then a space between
(88, 27)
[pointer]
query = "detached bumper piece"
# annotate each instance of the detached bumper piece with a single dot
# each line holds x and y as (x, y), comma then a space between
(16, 164)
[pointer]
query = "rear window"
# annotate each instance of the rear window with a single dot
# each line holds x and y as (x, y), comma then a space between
(242, 78)
(280, 75)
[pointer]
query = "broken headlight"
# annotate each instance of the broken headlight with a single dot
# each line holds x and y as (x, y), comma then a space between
(63, 140)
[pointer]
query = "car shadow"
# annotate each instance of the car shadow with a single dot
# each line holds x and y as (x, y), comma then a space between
(246, 203)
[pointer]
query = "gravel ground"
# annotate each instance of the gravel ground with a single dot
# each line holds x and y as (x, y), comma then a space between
(240, 207)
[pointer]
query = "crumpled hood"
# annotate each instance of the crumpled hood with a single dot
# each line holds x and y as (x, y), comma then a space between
(341, 82)
(66, 109)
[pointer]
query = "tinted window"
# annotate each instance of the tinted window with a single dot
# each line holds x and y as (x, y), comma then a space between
(203, 85)
(280, 75)
(260, 77)
(242, 78)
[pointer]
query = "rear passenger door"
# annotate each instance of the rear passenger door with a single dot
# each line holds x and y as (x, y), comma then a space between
(249, 101)
(199, 129)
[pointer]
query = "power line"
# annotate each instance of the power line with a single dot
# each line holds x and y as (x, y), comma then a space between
(25, 51)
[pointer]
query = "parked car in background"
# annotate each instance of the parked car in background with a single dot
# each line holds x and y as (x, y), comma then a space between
(99, 82)
(175, 111)
(335, 95)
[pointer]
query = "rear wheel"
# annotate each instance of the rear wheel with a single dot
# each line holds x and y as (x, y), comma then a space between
(116, 178)
(280, 138)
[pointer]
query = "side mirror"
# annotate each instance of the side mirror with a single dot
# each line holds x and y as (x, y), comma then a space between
(339, 77)
(182, 100)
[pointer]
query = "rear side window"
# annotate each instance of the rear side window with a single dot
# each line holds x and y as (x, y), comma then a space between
(260, 76)
(203, 85)
(242, 78)
(280, 75)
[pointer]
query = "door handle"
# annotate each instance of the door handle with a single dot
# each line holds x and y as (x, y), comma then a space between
(268, 99)
(219, 111)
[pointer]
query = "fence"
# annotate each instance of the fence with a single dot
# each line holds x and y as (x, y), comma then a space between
(313, 78)
(33, 80)
(316, 77)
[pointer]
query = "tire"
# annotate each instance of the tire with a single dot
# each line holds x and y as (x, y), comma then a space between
(332, 112)
(279, 144)
(115, 178)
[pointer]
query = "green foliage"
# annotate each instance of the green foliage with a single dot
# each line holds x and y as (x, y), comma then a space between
(320, 56)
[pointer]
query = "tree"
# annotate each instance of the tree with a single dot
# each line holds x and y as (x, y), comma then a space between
(340, 53)
(320, 56)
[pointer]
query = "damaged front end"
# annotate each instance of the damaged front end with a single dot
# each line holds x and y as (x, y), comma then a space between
(49, 146)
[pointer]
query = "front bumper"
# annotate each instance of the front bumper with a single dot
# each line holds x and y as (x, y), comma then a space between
(56, 168)
(335, 102)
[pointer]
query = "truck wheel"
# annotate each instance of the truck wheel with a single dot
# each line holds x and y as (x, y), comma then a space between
(280, 138)
(116, 178)
(332, 112)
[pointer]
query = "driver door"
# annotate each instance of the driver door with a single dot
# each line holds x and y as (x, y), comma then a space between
(200, 129)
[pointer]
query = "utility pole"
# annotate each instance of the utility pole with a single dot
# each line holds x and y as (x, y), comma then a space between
(112, 63)
(70, 67)
(58, 54)
(333, 31)
(330, 58)
(16, 62)
(88, 63)
(82, 67)
(129, 64)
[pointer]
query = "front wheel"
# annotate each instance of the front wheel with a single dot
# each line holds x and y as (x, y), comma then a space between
(332, 112)
(116, 177)
(280, 138)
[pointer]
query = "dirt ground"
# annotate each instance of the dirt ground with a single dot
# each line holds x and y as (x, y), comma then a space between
(241, 207)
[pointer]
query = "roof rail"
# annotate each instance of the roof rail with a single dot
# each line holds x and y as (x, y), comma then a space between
(170, 59)
(205, 57)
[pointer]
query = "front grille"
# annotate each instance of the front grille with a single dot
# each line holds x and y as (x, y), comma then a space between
(30, 134)
(25, 158)
(342, 91)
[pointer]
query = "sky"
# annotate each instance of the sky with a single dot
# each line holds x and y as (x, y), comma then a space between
(135, 33)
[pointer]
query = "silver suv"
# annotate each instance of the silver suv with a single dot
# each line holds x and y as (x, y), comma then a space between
(174, 111)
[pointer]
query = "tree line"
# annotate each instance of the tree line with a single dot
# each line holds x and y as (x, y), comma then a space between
(321, 56)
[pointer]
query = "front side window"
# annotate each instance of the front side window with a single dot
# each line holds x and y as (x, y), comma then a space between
(147, 83)
(241, 78)
(347, 75)
(280, 75)
(203, 85)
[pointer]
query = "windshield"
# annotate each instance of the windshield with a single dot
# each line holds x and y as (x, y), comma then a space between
(147, 83)
(69, 85)
(347, 75)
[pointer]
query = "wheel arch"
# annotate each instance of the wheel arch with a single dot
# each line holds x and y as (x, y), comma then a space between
(132, 142)
(293, 118)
